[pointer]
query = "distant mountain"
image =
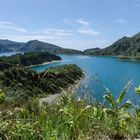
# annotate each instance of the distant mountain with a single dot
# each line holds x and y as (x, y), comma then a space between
(126, 46)
(7, 42)
(34, 45)
(9, 46)
(91, 51)
(3, 48)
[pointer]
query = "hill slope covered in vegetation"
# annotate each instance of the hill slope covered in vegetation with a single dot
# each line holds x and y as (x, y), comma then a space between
(21, 83)
(29, 58)
(126, 46)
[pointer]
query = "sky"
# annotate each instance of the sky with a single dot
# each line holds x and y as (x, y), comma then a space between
(78, 24)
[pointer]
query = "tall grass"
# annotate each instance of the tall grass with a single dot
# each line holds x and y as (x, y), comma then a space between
(72, 119)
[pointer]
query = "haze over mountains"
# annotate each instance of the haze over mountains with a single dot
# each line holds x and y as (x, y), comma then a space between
(33, 45)
(126, 46)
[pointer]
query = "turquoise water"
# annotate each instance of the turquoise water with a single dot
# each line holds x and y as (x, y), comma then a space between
(101, 73)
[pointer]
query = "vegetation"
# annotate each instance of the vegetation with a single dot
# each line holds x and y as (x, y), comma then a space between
(2, 96)
(20, 83)
(126, 46)
(4, 66)
(137, 90)
(137, 58)
(29, 58)
(73, 119)
(91, 51)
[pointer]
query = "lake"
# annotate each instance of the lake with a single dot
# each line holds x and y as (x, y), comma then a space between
(102, 73)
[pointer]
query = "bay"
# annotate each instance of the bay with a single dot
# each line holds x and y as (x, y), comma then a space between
(102, 73)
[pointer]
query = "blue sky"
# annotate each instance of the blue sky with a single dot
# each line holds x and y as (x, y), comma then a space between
(77, 24)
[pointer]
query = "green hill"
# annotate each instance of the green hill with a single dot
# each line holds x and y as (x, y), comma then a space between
(35, 45)
(91, 51)
(126, 46)
(21, 83)
(29, 58)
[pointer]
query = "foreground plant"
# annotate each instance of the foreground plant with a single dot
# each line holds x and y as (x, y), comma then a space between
(2, 96)
(118, 114)
(72, 119)
(137, 90)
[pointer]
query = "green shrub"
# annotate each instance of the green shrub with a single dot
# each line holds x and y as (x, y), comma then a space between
(73, 119)
(2, 96)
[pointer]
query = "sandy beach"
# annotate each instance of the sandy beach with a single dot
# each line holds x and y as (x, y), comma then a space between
(45, 63)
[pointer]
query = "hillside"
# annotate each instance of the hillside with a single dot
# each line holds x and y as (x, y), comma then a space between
(126, 46)
(29, 58)
(9, 46)
(20, 83)
(34, 45)
(16, 78)
(91, 51)
(7, 42)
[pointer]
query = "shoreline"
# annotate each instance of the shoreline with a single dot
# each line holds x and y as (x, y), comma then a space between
(55, 98)
(129, 58)
(45, 63)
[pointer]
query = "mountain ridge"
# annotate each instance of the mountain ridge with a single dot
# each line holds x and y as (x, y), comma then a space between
(125, 46)
(7, 42)
(34, 45)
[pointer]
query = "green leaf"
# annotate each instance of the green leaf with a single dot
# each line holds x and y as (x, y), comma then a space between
(110, 111)
(109, 99)
(121, 96)
(126, 105)
(137, 90)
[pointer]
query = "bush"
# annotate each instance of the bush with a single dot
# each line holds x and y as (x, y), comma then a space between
(2, 96)
(73, 119)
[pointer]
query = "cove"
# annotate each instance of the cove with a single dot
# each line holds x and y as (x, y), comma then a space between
(102, 73)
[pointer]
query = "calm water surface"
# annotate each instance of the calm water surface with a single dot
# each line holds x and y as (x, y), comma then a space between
(101, 73)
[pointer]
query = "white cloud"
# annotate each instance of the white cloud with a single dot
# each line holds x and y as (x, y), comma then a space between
(77, 21)
(56, 32)
(88, 31)
(46, 34)
(121, 21)
(59, 36)
(84, 27)
(5, 23)
(83, 22)
(66, 43)
(25, 38)
(10, 26)
(67, 21)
